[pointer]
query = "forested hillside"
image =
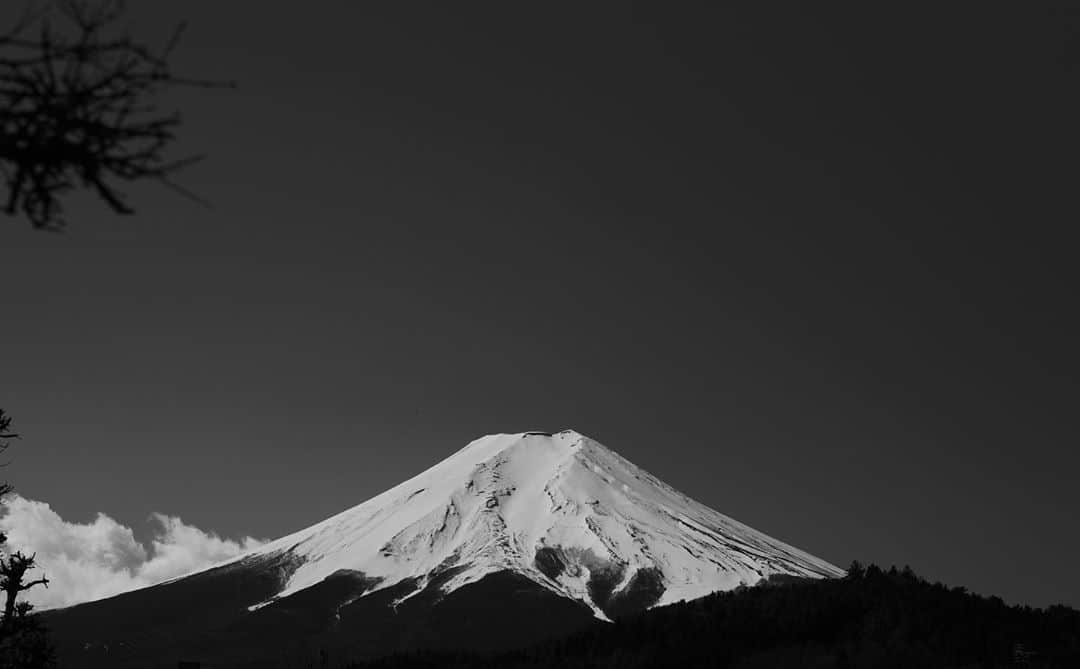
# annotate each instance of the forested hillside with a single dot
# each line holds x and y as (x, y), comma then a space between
(872, 618)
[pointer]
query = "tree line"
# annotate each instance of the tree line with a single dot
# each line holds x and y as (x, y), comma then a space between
(874, 618)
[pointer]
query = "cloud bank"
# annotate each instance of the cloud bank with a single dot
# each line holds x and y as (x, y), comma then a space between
(102, 558)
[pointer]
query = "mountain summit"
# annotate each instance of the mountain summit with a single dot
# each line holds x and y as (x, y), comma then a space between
(513, 537)
(559, 509)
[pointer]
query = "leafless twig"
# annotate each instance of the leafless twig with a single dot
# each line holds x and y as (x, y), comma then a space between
(78, 109)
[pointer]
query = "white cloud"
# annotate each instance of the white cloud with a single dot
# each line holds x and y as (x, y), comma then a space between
(86, 561)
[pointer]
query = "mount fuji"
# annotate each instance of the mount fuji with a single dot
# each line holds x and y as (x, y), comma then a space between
(513, 538)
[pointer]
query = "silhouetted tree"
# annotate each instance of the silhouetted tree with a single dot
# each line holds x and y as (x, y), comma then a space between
(13, 580)
(23, 642)
(78, 109)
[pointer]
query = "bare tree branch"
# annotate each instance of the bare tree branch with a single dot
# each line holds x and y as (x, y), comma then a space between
(78, 109)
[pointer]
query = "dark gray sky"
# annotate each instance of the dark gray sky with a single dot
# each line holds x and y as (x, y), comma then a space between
(813, 269)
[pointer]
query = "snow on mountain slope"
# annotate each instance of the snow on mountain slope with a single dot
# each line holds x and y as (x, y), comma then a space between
(559, 509)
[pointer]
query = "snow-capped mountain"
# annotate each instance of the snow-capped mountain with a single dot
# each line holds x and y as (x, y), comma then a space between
(559, 509)
(510, 539)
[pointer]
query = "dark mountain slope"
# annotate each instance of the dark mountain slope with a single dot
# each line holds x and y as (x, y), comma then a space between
(206, 619)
